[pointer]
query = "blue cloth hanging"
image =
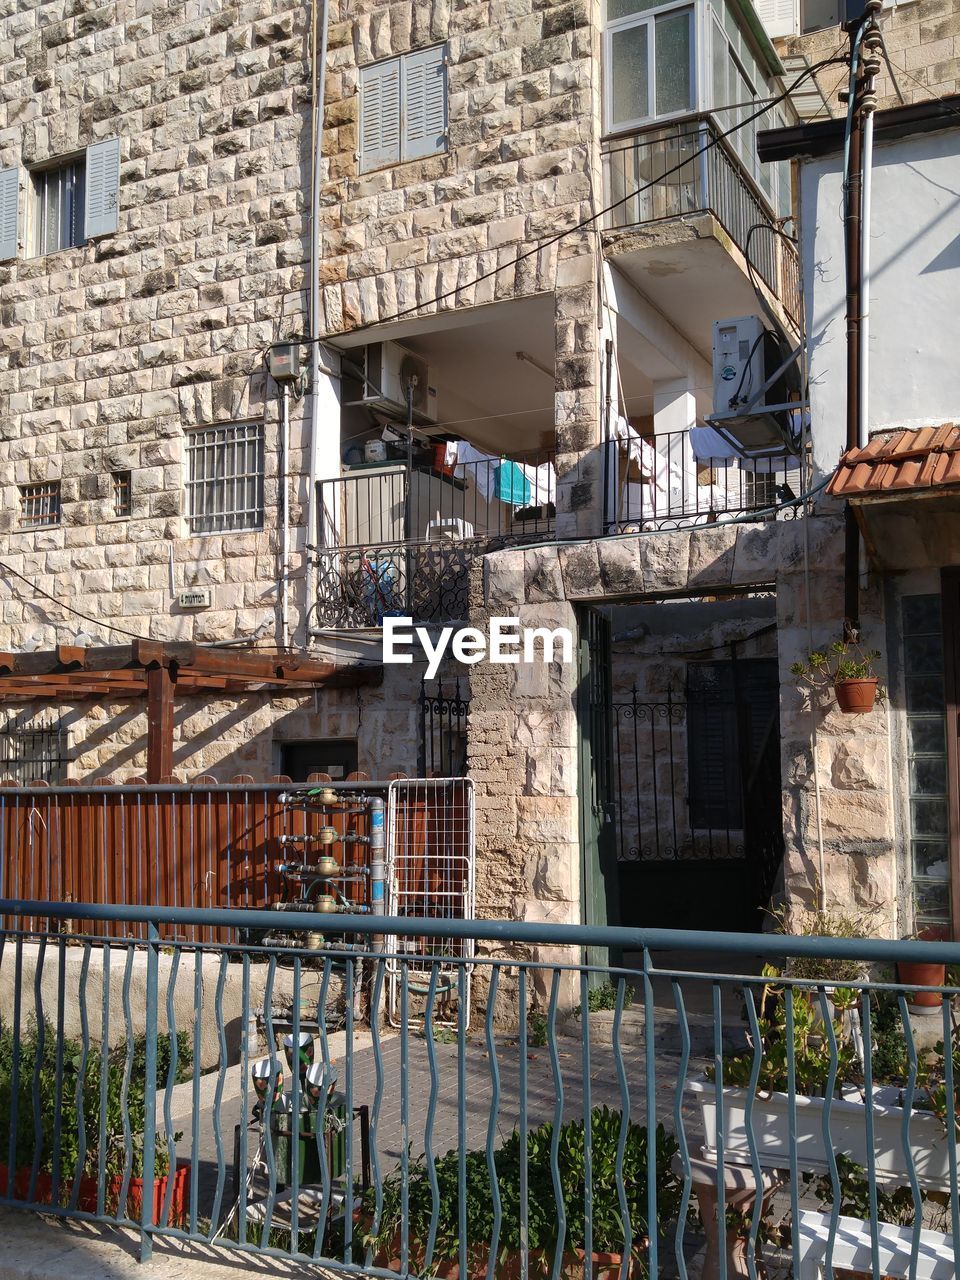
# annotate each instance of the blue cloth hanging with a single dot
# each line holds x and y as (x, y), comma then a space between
(511, 485)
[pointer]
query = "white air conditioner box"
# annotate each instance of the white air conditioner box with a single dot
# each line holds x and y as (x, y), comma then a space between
(745, 355)
(391, 372)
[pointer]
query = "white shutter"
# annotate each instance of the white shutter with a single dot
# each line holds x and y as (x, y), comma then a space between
(102, 190)
(779, 17)
(424, 103)
(9, 212)
(379, 114)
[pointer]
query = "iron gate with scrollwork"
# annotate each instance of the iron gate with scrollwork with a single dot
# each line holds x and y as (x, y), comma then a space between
(697, 802)
(443, 707)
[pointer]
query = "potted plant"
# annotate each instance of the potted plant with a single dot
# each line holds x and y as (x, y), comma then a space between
(849, 669)
(925, 973)
(382, 1234)
(57, 1142)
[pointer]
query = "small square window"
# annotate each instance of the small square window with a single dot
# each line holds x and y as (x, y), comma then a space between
(225, 478)
(58, 207)
(122, 497)
(40, 505)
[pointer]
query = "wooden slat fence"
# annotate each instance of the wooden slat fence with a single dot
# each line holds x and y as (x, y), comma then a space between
(201, 844)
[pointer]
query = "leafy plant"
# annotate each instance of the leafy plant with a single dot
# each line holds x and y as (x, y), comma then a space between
(894, 1206)
(78, 1097)
(843, 660)
(536, 1029)
(823, 922)
(542, 1203)
(605, 997)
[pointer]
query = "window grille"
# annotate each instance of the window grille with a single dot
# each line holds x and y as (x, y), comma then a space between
(760, 490)
(122, 497)
(58, 208)
(34, 752)
(40, 505)
(225, 478)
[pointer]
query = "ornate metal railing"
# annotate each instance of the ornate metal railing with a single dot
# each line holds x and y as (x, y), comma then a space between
(624, 1118)
(668, 171)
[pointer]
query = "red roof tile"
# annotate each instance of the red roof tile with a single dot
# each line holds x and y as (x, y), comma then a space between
(898, 461)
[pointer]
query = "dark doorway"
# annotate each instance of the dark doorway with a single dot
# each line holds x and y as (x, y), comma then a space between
(699, 830)
(334, 756)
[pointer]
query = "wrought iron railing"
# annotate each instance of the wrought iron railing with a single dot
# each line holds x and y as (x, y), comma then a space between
(399, 543)
(252, 1098)
(668, 487)
(668, 171)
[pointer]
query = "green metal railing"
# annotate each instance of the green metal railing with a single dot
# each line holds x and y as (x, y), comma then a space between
(657, 1117)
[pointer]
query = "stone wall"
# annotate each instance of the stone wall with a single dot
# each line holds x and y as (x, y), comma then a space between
(923, 40)
(224, 737)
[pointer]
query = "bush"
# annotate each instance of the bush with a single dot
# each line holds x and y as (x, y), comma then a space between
(608, 1225)
(35, 1050)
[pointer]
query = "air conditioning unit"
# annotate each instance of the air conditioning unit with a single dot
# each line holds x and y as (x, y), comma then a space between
(391, 371)
(745, 355)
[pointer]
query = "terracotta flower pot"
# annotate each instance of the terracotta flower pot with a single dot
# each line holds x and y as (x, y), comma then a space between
(925, 974)
(856, 696)
(87, 1197)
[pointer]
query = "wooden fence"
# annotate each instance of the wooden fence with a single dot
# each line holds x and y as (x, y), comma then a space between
(171, 845)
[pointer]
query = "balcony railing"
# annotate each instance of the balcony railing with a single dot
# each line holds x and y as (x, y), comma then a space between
(399, 542)
(670, 488)
(683, 168)
(675, 1113)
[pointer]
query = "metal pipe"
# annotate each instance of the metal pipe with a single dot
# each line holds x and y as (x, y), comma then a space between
(852, 232)
(772, 946)
(872, 42)
(320, 81)
(283, 630)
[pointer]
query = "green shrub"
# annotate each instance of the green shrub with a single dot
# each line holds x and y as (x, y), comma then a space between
(608, 1225)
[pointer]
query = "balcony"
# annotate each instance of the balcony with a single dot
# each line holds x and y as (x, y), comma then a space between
(400, 540)
(725, 229)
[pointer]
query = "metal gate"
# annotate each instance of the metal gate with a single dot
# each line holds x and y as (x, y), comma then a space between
(443, 708)
(698, 814)
(431, 851)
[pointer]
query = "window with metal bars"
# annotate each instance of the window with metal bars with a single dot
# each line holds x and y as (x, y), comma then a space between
(40, 505)
(58, 207)
(34, 752)
(225, 478)
(122, 498)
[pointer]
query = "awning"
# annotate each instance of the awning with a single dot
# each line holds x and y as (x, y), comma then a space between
(896, 462)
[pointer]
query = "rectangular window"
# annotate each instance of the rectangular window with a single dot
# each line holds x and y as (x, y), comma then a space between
(58, 221)
(225, 478)
(925, 707)
(122, 497)
(35, 752)
(648, 63)
(40, 505)
(403, 108)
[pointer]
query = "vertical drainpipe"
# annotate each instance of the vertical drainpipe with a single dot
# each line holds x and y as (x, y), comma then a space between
(853, 228)
(320, 73)
(284, 637)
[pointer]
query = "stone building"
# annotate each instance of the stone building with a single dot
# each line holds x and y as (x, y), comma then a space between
(494, 239)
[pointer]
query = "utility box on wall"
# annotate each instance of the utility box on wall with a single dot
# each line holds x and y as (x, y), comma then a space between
(745, 355)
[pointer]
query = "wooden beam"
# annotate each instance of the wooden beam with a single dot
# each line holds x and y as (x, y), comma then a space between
(160, 682)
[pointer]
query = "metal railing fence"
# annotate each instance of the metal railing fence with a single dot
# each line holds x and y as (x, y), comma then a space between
(673, 489)
(657, 173)
(794, 1106)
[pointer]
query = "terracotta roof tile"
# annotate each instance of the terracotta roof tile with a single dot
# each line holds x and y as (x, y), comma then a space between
(900, 460)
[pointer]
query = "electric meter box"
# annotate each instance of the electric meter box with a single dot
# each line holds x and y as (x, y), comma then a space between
(745, 354)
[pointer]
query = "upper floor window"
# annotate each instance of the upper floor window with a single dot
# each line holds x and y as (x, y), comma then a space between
(403, 108)
(225, 478)
(58, 207)
(648, 62)
(67, 203)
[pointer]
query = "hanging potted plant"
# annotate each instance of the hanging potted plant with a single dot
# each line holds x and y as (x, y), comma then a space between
(849, 669)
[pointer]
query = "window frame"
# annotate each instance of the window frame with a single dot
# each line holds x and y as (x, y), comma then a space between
(122, 494)
(194, 484)
(648, 18)
(53, 494)
(38, 197)
(400, 60)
